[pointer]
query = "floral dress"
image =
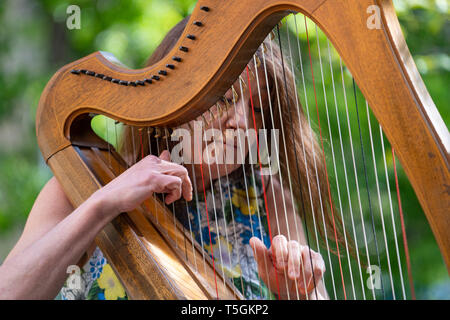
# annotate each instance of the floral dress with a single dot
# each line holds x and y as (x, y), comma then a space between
(236, 212)
(95, 281)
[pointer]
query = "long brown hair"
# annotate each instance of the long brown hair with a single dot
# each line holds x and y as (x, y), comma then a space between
(303, 161)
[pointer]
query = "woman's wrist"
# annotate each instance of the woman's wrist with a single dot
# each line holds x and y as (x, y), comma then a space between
(101, 207)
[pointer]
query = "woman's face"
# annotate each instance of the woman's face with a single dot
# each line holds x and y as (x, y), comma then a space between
(222, 136)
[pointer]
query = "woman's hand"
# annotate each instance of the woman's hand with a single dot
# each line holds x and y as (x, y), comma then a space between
(290, 262)
(139, 182)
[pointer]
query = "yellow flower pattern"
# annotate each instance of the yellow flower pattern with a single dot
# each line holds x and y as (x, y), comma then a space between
(239, 200)
(222, 251)
(109, 282)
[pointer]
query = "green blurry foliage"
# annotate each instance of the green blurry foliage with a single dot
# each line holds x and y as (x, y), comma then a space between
(35, 43)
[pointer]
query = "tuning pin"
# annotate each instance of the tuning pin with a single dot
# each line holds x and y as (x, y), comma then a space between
(213, 116)
(258, 62)
(149, 130)
(264, 47)
(219, 109)
(272, 35)
(242, 82)
(157, 133)
(280, 24)
(252, 73)
(166, 133)
(205, 122)
(235, 94)
(227, 104)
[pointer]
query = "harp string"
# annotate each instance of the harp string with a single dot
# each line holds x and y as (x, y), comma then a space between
(107, 139)
(295, 153)
(277, 151)
(133, 161)
(351, 147)
(343, 156)
(197, 215)
(276, 147)
(304, 154)
(207, 218)
(221, 200)
(315, 284)
(150, 152)
(313, 151)
(379, 196)
(405, 242)
(259, 161)
(158, 152)
(166, 137)
(289, 237)
(341, 144)
(241, 146)
(126, 148)
(314, 157)
(325, 166)
(230, 202)
(348, 193)
(400, 269)
(335, 168)
(191, 234)
(341, 211)
(258, 155)
(367, 186)
(282, 192)
(250, 155)
(284, 144)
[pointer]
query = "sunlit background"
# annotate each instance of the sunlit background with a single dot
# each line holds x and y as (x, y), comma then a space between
(35, 43)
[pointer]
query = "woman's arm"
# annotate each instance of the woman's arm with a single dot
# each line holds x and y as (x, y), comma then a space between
(36, 267)
(38, 270)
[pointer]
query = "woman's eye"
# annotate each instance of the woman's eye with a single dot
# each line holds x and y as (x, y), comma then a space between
(257, 109)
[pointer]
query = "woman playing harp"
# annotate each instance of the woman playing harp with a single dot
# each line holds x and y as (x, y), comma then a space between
(264, 239)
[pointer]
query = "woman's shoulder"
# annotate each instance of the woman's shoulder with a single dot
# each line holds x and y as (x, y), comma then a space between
(52, 201)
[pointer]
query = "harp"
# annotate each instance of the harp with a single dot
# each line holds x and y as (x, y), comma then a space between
(153, 256)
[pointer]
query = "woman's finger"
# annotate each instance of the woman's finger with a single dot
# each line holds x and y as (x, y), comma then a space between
(165, 155)
(172, 188)
(280, 252)
(180, 171)
(294, 260)
(186, 184)
(314, 267)
(319, 266)
(262, 258)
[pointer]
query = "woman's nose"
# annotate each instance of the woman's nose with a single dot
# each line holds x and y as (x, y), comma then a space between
(235, 118)
(230, 120)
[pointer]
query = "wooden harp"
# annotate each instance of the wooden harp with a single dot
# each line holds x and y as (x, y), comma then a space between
(219, 40)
